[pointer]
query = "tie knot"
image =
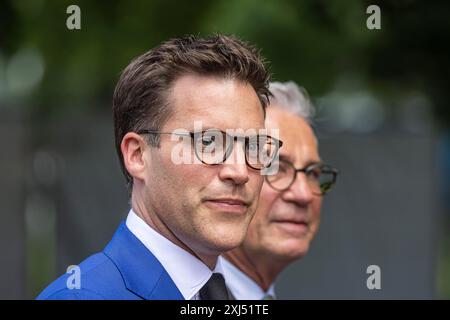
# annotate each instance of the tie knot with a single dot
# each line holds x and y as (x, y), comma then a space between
(214, 288)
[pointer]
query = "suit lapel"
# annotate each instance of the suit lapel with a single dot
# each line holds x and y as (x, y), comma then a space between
(143, 274)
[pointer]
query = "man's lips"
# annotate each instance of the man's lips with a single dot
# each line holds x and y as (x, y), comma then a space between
(228, 204)
(293, 226)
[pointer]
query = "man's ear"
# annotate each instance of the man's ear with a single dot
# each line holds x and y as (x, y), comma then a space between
(133, 147)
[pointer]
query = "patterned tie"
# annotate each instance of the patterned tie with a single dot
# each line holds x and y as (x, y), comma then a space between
(214, 289)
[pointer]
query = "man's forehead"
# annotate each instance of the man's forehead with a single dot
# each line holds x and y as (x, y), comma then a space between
(194, 88)
(218, 102)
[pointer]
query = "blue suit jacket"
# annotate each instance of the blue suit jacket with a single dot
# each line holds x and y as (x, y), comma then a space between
(125, 269)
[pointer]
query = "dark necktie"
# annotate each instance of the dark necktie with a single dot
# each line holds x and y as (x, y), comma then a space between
(214, 289)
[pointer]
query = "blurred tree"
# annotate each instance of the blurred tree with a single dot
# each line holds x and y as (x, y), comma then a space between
(314, 42)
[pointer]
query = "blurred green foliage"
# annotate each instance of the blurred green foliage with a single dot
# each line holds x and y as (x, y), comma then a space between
(315, 42)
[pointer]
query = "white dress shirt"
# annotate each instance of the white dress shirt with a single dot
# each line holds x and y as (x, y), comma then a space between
(242, 286)
(187, 272)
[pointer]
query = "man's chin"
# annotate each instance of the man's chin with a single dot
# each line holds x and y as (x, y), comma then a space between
(291, 249)
(226, 241)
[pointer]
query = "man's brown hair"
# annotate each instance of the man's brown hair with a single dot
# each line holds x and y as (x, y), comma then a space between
(140, 98)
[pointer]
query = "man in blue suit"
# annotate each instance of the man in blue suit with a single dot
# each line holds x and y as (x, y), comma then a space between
(189, 129)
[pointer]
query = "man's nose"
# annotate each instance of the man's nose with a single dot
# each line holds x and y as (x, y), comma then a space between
(300, 191)
(235, 167)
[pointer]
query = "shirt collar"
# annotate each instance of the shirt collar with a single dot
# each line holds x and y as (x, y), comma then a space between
(242, 286)
(187, 271)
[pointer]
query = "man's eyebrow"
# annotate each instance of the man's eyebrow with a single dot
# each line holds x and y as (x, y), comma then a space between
(284, 157)
(311, 162)
(208, 127)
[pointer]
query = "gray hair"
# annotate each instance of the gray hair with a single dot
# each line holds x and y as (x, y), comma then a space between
(292, 97)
